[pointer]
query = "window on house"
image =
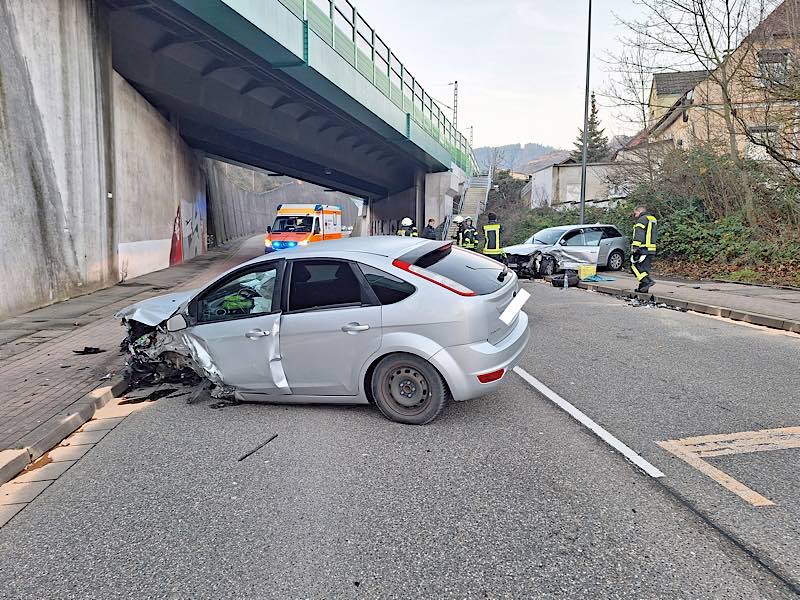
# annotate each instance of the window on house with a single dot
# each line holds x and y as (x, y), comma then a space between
(772, 67)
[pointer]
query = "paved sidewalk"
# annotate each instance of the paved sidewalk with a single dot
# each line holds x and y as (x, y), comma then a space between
(40, 375)
(761, 305)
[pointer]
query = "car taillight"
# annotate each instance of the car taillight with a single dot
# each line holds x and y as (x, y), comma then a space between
(493, 376)
(439, 280)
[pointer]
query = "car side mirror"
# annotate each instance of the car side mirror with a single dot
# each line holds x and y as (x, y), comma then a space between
(269, 229)
(176, 323)
(562, 242)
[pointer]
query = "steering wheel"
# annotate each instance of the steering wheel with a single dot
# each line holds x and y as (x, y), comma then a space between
(247, 293)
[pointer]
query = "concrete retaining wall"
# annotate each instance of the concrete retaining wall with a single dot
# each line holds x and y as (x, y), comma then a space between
(55, 213)
(160, 188)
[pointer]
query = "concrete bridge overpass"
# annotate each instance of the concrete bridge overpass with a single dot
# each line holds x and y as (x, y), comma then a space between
(304, 88)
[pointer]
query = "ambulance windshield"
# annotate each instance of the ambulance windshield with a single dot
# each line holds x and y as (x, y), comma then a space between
(289, 224)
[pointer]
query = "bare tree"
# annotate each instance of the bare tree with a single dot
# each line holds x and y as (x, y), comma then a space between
(772, 83)
(495, 160)
(705, 34)
(627, 93)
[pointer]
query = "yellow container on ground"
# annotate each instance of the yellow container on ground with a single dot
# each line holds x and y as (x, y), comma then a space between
(585, 271)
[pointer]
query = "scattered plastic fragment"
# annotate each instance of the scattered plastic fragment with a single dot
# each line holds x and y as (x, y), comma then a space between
(89, 350)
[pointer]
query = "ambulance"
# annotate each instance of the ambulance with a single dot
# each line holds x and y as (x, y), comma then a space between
(303, 224)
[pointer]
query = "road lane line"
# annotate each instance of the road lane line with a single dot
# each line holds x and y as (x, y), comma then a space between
(693, 450)
(722, 478)
(584, 420)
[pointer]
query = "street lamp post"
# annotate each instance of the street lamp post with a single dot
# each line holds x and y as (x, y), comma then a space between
(586, 116)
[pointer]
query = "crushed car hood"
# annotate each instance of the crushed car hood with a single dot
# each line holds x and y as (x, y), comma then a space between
(526, 249)
(155, 310)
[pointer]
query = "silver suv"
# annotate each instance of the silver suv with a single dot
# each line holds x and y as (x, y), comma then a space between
(546, 251)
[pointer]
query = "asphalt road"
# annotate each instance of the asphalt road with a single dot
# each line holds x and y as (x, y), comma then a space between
(503, 497)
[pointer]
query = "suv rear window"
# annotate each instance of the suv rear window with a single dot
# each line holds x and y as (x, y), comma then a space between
(477, 272)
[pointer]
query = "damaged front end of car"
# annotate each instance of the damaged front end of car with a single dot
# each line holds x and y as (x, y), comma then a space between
(160, 351)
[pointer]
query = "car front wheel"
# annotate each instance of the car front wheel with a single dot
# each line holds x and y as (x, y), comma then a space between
(615, 260)
(547, 266)
(408, 389)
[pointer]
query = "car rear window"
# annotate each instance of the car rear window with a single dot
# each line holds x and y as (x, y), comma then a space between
(388, 288)
(477, 272)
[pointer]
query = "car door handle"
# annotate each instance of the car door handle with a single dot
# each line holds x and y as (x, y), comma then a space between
(256, 333)
(354, 327)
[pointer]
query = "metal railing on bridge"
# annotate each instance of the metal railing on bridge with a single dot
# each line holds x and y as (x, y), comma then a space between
(338, 24)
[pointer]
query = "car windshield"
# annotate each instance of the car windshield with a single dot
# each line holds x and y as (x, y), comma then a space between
(293, 224)
(546, 236)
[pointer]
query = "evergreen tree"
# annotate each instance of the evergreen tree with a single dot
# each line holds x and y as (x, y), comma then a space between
(597, 143)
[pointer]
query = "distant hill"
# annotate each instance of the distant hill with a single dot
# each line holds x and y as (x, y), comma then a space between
(513, 156)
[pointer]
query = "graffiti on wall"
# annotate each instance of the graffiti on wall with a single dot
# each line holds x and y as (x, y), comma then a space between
(193, 226)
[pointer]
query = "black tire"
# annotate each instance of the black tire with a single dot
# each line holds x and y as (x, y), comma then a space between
(408, 389)
(615, 260)
(547, 266)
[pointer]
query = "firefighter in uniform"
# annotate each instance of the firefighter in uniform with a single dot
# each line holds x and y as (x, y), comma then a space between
(643, 247)
(469, 236)
(407, 228)
(459, 221)
(491, 238)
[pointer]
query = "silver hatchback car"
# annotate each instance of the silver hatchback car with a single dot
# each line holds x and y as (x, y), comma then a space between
(402, 322)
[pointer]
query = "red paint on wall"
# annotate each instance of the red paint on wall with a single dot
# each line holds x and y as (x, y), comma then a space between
(176, 250)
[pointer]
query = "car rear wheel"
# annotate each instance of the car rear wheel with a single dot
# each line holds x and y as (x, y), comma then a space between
(408, 389)
(615, 260)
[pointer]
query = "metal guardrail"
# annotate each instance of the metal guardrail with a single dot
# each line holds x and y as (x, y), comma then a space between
(338, 24)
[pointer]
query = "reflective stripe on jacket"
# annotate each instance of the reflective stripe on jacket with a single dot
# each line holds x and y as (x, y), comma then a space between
(645, 235)
(491, 239)
(408, 231)
(468, 238)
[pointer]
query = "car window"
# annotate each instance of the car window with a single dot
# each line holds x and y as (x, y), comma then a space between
(611, 233)
(573, 238)
(323, 283)
(546, 236)
(472, 270)
(248, 294)
(388, 288)
(592, 236)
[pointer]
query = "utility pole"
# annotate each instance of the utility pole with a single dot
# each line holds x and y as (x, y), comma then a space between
(455, 104)
(586, 116)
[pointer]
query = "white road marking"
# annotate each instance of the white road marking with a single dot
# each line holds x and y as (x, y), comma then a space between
(599, 431)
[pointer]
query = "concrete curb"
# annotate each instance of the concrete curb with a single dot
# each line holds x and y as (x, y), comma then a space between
(52, 432)
(700, 307)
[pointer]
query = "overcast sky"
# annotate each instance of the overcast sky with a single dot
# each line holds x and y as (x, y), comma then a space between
(520, 64)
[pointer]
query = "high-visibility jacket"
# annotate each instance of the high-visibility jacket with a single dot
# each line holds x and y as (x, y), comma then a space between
(408, 231)
(645, 235)
(468, 238)
(491, 239)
